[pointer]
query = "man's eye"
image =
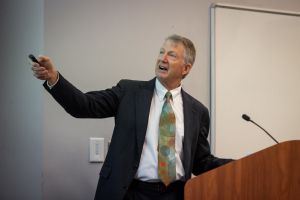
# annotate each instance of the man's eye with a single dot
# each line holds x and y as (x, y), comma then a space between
(161, 52)
(172, 55)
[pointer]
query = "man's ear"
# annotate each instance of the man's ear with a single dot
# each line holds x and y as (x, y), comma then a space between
(186, 68)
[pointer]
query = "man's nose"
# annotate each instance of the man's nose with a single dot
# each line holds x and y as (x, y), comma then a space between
(163, 58)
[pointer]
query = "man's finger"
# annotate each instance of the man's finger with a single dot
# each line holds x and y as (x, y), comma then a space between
(42, 77)
(42, 58)
(33, 63)
(34, 68)
(41, 72)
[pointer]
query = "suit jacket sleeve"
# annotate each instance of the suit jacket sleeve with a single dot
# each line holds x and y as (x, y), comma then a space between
(95, 104)
(204, 160)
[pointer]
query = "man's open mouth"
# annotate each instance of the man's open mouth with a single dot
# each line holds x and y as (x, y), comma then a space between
(162, 68)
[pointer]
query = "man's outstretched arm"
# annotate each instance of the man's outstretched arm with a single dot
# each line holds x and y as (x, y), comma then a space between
(96, 104)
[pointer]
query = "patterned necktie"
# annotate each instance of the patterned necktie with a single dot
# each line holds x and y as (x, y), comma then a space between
(166, 143)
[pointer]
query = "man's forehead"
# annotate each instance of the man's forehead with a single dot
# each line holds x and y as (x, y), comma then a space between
(172, 44)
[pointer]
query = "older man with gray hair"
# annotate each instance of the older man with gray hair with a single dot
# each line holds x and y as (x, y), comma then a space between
(160, 134)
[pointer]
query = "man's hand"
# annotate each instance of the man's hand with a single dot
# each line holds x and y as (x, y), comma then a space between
(44, 72)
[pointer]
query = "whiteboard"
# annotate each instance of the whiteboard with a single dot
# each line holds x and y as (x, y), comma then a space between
(255, 70)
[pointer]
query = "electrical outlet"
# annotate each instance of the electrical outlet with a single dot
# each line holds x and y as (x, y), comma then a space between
(96, 149)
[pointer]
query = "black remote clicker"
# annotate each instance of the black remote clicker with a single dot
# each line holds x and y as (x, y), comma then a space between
(33, 59)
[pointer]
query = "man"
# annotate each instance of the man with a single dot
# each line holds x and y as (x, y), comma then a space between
(160, 134)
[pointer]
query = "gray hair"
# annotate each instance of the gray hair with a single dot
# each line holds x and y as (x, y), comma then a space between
(189, 53)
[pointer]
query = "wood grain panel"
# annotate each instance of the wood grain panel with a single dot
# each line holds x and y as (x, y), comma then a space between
(273, 173)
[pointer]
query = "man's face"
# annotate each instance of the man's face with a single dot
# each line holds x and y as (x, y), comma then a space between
(169, 69)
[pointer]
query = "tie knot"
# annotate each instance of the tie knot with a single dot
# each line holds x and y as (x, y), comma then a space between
(168, 94)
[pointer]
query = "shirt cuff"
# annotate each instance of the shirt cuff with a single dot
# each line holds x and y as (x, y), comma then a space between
(51, 86)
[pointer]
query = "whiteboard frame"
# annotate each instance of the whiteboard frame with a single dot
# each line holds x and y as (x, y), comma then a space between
(212, 58)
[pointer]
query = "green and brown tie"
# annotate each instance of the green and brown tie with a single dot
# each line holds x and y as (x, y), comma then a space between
(166, 143)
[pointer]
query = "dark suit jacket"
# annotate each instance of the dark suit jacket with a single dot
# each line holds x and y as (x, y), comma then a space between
(129, 102)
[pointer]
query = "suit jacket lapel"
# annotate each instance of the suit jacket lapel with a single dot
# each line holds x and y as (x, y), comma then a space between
(143, 99)
(189, 113)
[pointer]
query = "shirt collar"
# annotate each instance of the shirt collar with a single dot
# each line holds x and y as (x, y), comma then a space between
(161, 91)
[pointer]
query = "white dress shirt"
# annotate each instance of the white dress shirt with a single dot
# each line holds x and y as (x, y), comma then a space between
(148, 168)
(51, 86)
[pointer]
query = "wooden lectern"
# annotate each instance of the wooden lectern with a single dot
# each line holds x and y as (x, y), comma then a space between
(270, 174)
